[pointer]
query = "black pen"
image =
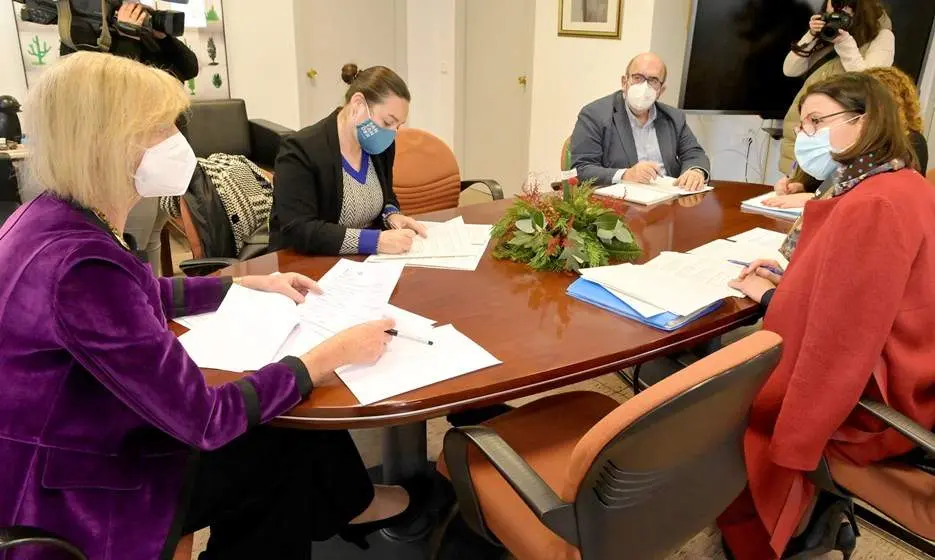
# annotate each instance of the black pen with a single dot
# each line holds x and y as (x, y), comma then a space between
(394, 332)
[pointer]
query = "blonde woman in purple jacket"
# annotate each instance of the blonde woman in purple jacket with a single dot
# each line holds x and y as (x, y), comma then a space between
(109, 435)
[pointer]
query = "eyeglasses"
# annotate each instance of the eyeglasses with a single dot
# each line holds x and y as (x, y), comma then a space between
(810, 125)
(636, 79)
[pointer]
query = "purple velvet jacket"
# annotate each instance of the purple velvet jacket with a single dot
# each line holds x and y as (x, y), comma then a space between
(101, 410)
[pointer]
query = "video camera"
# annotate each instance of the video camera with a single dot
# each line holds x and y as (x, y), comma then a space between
(102, 16)
(835, 21)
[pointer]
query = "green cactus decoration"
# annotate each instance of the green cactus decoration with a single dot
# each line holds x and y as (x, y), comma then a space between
(216, 80)
(38, 51)
(212, 15)
(191, 85)
(212, 51)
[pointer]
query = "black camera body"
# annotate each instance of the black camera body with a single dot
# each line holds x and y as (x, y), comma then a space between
(45, 12)
(836, 21)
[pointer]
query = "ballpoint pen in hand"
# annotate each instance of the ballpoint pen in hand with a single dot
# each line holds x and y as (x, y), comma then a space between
(774, 270)
(394, 332)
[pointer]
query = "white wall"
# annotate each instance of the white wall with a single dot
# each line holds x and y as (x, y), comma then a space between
(569, 72)
(430, 66)
(261, 54)
(12, 74)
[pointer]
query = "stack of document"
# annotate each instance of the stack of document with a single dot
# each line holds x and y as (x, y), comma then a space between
(451, 245)
(660, 190)
(678, 283)
(675, 288)
(252, 329)
(755, 204)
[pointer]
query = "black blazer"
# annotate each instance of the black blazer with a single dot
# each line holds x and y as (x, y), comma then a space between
(308, 190)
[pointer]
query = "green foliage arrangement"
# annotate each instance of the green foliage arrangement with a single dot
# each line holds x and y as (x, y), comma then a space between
(564, 233)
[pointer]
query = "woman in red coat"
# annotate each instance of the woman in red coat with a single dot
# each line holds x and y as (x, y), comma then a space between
(855, 309)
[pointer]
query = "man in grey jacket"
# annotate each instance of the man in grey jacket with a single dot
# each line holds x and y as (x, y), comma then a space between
(630, 136)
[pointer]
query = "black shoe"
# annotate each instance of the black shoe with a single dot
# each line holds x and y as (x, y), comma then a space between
(419, 491)
(832, 526)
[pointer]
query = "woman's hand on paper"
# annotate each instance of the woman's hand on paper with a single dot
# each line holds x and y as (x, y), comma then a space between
(400, 221)
(754, 286)
(797, 200)
(395, 241)
(290, 284)
(361, 344)
(787, 186)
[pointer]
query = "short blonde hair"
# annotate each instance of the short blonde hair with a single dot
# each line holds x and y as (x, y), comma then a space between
(88, 120)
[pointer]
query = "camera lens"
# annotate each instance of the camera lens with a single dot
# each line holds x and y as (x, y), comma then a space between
(170, 23)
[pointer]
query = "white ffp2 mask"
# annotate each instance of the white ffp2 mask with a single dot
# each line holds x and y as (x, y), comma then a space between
(640, 97)
(166, 168)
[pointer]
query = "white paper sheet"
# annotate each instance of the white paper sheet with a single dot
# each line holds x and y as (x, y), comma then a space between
(764, 237)
(738, 251)
(409, 365)
(635, 193)
(353, 293)
(679, 283)
(448, 239)
(245, 333)
(479, 236)
(193, 321)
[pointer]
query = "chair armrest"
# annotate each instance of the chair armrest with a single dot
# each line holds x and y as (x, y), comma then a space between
(205, 266)
(265, 137)
(16, 536)
(901, 423)
(496, 192)
(555, 514)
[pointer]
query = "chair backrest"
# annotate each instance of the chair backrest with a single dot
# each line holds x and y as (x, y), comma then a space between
(204, 219)
(425, 175)
(565, 162)
(663, 465)
(930, 176)
(33, 538)
(219, 127)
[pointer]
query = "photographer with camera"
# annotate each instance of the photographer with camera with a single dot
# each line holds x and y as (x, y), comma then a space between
(137, 38)
(848, 36)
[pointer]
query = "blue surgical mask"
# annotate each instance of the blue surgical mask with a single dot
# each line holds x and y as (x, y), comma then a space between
(814, 154)
(373, 138)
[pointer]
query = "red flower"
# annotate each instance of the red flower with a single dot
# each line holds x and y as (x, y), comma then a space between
(573, 181)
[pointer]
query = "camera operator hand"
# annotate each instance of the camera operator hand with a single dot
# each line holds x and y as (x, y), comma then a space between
(134, 13)
(816, 24)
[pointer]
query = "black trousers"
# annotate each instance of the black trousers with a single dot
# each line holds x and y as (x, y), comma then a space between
(272, 491)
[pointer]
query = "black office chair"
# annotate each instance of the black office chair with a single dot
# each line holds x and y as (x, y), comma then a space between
(6, 210)
(30, 536)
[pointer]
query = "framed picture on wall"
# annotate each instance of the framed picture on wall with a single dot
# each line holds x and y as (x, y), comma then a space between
(589, 18)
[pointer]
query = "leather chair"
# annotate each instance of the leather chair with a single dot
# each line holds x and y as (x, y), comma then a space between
(222, 126)
(426, 176)
(930, 176)
(576, 475)
(30, 536)
(895, 496)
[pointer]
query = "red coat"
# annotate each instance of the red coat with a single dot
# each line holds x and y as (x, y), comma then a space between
(856, 311)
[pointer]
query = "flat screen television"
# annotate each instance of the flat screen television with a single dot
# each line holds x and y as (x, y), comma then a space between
(737, 47)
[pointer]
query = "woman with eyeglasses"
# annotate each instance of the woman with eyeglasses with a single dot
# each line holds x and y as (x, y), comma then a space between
(906, 95)
(866, 43)
(856, 311)
(333, 192)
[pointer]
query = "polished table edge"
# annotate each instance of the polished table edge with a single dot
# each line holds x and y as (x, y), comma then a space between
(387, 413)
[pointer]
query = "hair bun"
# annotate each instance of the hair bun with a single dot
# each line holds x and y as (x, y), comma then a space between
(349, 73)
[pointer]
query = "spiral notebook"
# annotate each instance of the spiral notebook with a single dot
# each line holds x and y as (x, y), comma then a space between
(595, 294)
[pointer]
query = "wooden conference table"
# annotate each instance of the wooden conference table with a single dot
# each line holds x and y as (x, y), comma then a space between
(544, 338)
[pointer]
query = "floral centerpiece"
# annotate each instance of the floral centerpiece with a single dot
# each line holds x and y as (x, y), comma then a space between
(564, 233)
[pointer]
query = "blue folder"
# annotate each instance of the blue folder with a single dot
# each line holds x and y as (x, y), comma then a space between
(595, 294)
